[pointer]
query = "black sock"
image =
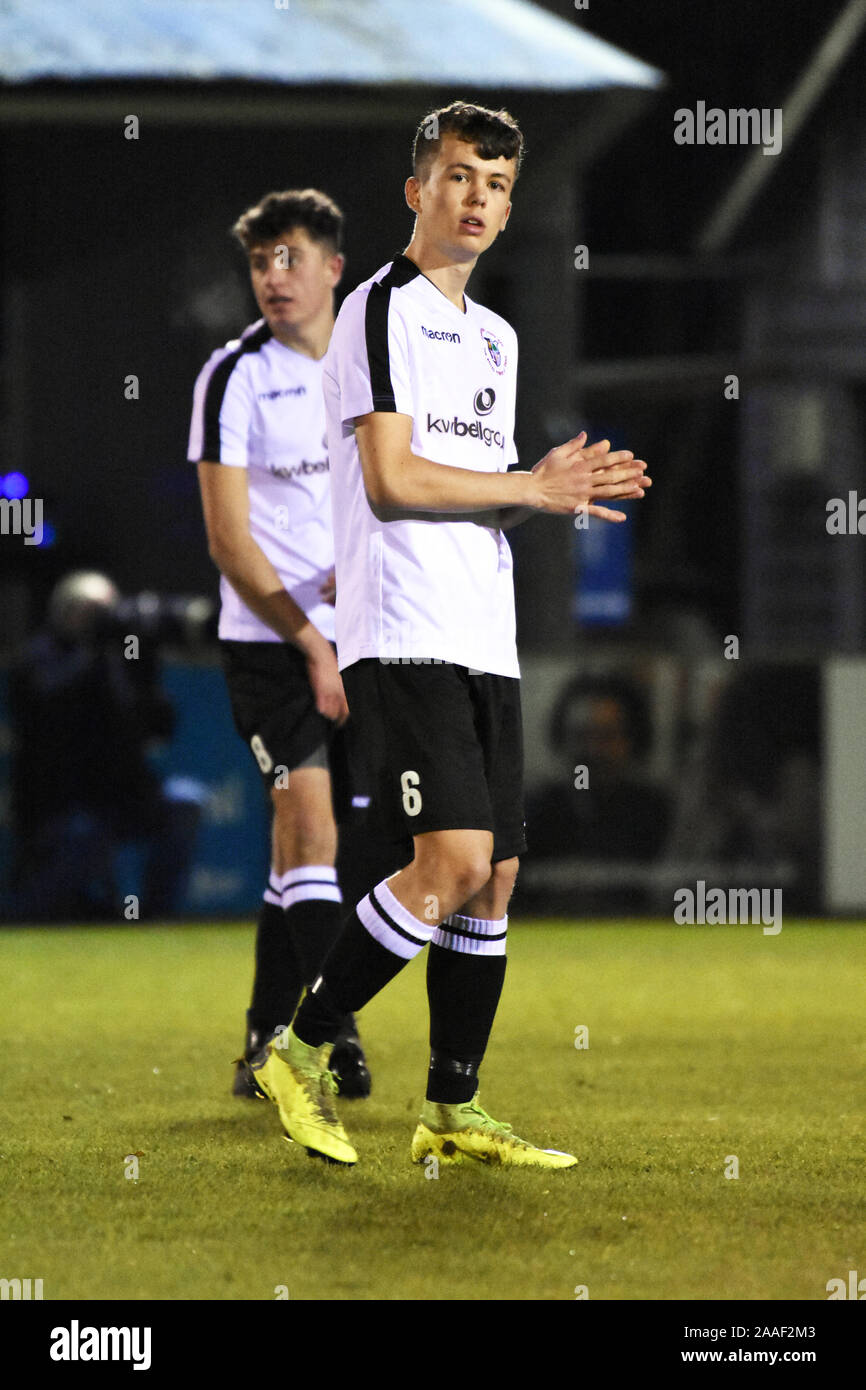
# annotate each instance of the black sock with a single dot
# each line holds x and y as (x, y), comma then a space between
(278, 979)
(314, 925)
(463, 991)
(356, 968)
(365, 857)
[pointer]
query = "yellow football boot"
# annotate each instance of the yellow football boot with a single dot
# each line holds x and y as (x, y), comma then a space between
(466, 1133)
(297, 1079)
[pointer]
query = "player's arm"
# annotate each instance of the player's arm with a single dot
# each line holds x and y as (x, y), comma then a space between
(568, 478)
(225, 502)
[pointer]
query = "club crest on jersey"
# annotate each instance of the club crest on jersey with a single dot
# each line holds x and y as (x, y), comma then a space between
(493, 351)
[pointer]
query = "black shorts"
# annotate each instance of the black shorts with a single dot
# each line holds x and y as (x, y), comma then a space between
(275, 713)
(443, 748)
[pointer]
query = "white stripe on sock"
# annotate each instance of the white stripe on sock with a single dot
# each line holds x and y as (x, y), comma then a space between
(316, 881)
(302, 892)
(472, 936)
(403, 935)
(322, 873)
(272, 893)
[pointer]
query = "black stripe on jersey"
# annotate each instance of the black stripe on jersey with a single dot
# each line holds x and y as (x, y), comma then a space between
(389, 921)
(376, 330)
(216, 389)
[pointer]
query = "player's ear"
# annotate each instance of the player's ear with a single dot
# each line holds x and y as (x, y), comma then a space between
(413, 193)
(336, 266)
(505, 218)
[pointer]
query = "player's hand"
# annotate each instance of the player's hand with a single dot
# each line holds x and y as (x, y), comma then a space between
(576, 477)
(327, 685)
(328, 590)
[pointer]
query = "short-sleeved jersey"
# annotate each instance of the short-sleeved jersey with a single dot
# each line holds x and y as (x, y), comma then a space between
(258, 405)
(435, 587)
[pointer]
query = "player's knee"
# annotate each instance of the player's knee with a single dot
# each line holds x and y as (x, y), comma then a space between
(468, 872)
(472, 878)
(457, 864)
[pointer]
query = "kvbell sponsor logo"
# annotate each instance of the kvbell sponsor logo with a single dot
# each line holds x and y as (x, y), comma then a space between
(301, 470)
(462, 429)
(484, 400)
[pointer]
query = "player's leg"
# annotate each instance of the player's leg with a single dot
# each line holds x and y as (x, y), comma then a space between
(275, 714)
(304, 856)
(466, 964)
(418, 726)
(384, 932)
(465, 975)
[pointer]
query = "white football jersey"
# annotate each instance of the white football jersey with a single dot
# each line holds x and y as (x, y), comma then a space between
(436, 587)
(258, 405)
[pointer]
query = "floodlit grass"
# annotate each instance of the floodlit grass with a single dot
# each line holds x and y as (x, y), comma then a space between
(704, 1043)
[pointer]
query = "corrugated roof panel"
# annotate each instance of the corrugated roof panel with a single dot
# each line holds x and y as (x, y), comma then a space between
(488, 43)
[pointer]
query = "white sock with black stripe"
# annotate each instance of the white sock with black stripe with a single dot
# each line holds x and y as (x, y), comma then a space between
(274, 892)
(465, 974)
(392, 924)
(311, 901)
(472, 936)
(317, 881)
(378, 939)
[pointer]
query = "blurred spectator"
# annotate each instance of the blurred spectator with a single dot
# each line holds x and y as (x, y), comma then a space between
(603, 806)
(86, 706)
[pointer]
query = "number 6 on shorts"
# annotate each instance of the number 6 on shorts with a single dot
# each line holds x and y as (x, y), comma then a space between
(411, 795)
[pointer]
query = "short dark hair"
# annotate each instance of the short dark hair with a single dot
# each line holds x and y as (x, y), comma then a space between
(309, 208)
(493, 134)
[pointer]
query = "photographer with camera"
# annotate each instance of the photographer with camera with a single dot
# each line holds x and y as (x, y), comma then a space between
(86, 706)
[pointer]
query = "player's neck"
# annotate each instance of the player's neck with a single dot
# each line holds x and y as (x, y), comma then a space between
(447, 275)
(309, 339)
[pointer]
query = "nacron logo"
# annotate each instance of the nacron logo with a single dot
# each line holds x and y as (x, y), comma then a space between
(462, 429)
(484, 399)
(282, 391)
(439, 335)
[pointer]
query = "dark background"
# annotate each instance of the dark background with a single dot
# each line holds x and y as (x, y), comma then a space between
(117, 260)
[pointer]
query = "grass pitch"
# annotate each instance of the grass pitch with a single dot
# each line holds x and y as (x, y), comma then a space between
(705, 1045)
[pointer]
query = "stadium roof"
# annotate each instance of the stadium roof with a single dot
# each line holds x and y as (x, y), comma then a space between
(488, 43)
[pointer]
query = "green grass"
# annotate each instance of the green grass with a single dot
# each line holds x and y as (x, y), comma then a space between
(704, 1042)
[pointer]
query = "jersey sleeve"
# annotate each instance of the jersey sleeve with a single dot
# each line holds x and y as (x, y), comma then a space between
(221, 412)
(369, 357)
